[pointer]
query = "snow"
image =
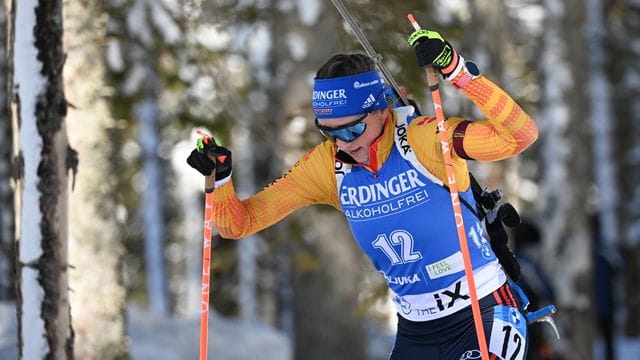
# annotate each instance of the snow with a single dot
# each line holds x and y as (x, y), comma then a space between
(147, 113)
(137, 25)
(135, 79)
(259, 45)
(29, 84)
(600, 104)
(35, 347)
(212, 38)
(247, 249)
(297, 46)
(554, 200)
(309, 11)
(189, 189)
(164, 23)
(446, 10)
(115, 61)
(163, 338)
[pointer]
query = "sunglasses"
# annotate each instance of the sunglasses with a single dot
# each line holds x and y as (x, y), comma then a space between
(347, 132)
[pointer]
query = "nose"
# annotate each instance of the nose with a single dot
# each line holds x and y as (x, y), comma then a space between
(344, 146)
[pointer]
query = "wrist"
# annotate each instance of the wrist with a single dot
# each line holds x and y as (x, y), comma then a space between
(222, 180)
(462, 75)
(456, 60)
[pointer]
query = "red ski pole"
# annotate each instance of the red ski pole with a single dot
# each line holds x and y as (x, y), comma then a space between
(206, 266)
(433, 82)
(206, 263)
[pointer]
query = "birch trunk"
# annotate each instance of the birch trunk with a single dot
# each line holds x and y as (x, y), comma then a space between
(41, 195)
(134, 51)
(7, 238)
(622, 67)
(95, 239)
(151, 207)
(566, 174)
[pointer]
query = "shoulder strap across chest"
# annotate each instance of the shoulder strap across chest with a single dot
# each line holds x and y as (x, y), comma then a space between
(402, 143)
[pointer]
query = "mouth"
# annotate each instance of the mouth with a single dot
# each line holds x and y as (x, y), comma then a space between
(357, 152)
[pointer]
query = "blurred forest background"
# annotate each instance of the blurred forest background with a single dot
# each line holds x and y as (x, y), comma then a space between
(101, 218)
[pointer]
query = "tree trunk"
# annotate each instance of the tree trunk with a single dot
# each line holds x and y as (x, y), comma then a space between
(7, 237)
(134, 70)
(188, 192)
(326, 271)
(488, 41)
(566, 173)
(151, 207)
(95, 247)
(622, 67)
(41, 206)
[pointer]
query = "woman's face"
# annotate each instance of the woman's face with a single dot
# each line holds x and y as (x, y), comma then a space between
(358, 149)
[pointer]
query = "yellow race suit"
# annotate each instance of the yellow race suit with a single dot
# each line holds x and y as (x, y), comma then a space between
(506, 132)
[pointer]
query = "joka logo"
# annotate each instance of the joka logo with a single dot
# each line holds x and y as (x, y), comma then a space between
(369, 101)
(401, 132)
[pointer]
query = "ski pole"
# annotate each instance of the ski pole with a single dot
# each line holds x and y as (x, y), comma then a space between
(377, 58)
(433, 82)
(209, 184)
(206, 266)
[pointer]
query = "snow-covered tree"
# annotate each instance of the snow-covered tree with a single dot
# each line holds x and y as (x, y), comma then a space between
(623, 26)
(43, 161)
(6, 193)
(95, 239)
(142, 47)
(566, 172)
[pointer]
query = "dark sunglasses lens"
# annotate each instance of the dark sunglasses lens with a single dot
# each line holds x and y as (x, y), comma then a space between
(351, 133)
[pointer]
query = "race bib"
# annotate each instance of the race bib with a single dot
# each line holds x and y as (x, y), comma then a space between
(508, 334)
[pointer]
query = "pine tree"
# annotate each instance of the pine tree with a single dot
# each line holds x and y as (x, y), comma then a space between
(42, 166)
(95, 247)
(144, 42)
(566, 172)
(622, 68)
(6, 194)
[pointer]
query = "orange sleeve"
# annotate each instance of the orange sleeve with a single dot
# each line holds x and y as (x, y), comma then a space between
(506, 132)
(310, 181)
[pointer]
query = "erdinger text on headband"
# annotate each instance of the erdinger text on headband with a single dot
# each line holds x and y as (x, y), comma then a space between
(348, 95)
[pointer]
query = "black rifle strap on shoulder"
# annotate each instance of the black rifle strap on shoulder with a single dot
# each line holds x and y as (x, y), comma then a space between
(477, 191)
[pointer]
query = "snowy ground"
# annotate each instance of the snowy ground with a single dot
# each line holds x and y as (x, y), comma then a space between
(159, 338)
(167, 339)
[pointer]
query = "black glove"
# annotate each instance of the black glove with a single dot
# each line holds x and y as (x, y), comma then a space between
(208, 156)
(498, 237)
(432, 49)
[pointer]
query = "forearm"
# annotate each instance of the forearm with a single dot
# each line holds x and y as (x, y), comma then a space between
(237, 218)
(308, 182)
(507, 130)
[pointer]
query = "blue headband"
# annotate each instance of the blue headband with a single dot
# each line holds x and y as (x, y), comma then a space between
(348, 95)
